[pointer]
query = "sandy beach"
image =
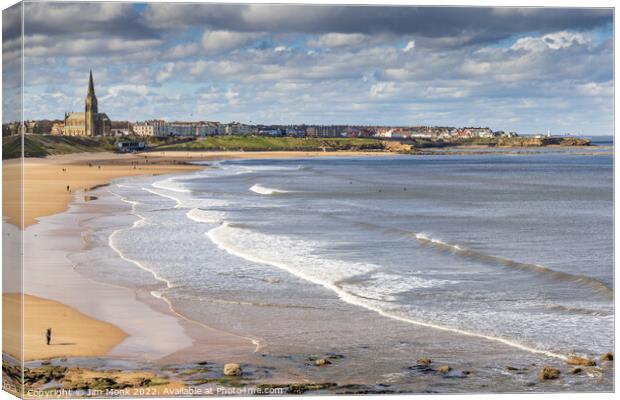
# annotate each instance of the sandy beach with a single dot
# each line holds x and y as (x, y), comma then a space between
(46, 179)
(136, 326)
(81, 323)
(73, 333)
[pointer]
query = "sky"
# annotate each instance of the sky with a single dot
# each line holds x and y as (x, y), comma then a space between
(513, 69)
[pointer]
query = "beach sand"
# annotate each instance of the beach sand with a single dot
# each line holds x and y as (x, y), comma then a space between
(73, 333)
(77, 321)
(46, 179)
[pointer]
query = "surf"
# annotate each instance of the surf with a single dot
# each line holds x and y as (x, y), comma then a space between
(220, 234)
(259, 189)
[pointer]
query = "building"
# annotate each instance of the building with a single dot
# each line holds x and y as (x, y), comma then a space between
(58, 128)
(128, 147)
(237, 128)
(178, 128)
(154, 127)
(90, 122)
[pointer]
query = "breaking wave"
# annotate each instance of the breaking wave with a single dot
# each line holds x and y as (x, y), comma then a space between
(257, 188)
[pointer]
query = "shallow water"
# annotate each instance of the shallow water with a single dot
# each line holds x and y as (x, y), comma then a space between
(464, 257)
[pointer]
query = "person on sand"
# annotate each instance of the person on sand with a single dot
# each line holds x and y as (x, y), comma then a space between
(48, 335)
(68, 188)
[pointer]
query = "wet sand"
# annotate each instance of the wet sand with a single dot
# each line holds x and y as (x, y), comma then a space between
(73, 333)
(116, 321)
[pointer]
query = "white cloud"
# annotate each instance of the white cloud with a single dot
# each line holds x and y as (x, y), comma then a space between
(182, 51)
(597, 89)
(279, 49)
(476, 68)
(410, 46)
(165, 72)
(554, 41)
(221, 41)
(382, 89)
(117, 90)
(338, 40)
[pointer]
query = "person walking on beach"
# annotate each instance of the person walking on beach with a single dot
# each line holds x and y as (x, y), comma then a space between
(48, 335)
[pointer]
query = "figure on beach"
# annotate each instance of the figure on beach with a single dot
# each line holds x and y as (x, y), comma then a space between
(48, 335)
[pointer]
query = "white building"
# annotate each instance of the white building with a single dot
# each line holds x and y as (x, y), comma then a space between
(236, 128)
(150, 128)
(162, 128)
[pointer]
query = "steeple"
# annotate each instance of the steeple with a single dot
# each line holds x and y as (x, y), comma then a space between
(90, 108)
(91, 85)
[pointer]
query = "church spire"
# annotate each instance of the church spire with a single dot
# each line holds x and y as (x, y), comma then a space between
(91, 85)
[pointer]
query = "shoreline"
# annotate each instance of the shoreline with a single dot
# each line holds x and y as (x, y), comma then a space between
(83, 171)
(212, 343)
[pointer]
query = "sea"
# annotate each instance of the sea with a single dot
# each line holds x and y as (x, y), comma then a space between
(478, 260)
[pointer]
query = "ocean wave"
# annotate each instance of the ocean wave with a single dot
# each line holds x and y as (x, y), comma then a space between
(206, 216)
(141, 220)
(579, 310)
(170, 184)
(383, 286)
(429, 241)
(426, 240)
(299, 258)
(257, 188)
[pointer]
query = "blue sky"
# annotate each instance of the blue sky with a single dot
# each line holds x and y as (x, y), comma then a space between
(521, 69)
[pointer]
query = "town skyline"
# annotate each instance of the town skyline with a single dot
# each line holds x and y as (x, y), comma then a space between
(370, 66)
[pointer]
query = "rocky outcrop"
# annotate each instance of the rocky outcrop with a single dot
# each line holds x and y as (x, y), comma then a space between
(608, 356)
(548, 373)
(580, 361)
(294, 388)
(232, 369)
(424, 361)
(444, 369)
(397, 147)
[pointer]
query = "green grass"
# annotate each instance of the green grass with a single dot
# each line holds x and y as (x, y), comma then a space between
(44, 145)
(262, 143)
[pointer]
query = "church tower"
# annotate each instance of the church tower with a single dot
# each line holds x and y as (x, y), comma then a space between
(91, 111)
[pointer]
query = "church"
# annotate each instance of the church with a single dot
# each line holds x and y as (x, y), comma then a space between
(90, 122)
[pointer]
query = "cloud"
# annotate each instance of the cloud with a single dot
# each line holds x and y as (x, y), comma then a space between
(182, 51)
(409, 46)
(338, 40)
(508, 68)
(221, 41)
(113, 19)
(476, 68)
(476, 24)
(165, 72)
(554, 41)
(605, 89)
(127, 89)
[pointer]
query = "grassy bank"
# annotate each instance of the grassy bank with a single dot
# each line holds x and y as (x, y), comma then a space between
(44, 145)
(262, 143)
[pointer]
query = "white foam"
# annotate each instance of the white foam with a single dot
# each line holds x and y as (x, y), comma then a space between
(170, 184)
(297, 258)
(424, 237)
(258, 188)
(206, 216)
(383, 286)
(112, 241)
